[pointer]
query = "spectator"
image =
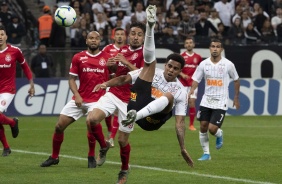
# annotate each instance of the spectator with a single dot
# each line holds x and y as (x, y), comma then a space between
(186, 28)
(246, 19)
(45, 26)
(267, 32)
(5, 15)
(15, 31)
(236, 32)
(279, 33)
(221, 35)
(101, 23)
(42, 63)
(172, 18)
(202, 29)
(214, 19)
(276, 20)
(120, 15)
(252, 35)
(225, 11)
(104, 37)
(259, 19)
(169, 37)
(139, 12)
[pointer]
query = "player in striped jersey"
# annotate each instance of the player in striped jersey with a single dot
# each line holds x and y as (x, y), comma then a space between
(217, 72)
(155, 92)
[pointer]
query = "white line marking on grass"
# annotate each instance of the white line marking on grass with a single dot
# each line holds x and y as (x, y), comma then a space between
(156, 168)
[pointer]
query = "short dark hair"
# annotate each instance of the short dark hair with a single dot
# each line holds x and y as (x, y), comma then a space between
(119, 29)
(176, 57)
(2, 27)
(140, 25)
(190, 38)
(216, 40)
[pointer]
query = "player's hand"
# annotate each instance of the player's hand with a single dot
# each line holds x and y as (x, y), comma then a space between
(31, 91)
(78, 100)
(111, 62)
(187, 157)
(99, 87)
(121, 58)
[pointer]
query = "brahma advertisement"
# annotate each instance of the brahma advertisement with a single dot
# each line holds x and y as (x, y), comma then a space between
(259, 68)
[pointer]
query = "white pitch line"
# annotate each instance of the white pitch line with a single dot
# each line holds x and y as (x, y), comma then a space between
(156, 168)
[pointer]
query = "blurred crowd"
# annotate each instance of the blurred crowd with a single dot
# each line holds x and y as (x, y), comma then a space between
(233, 21)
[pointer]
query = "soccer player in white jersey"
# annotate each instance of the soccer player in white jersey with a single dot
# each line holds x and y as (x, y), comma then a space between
(9, 57)
(217, 72)
(155, 91)
(90, 67)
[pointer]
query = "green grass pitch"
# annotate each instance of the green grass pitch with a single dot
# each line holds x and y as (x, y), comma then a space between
(251, 154)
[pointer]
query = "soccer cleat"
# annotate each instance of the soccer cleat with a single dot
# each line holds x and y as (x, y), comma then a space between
(102, 155)
(6, 152)
(130, 118)
(192, 128)
(15, 128)
(91, 162)
(111, 142)
(122, 176)
(50, 161)
(205, 157)
(151, 14)
(219, 141)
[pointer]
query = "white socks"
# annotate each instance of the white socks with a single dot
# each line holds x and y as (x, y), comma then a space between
(149, 45)
(204, 141)
(153, 107)
(218, 133)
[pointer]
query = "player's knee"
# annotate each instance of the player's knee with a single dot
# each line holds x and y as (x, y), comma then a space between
(59, 128)
(92, 120)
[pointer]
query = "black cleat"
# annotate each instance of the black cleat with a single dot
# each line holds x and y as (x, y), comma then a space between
(122, 177)
(15, 129)
(6, 152)
(50, 161)
(91, 162)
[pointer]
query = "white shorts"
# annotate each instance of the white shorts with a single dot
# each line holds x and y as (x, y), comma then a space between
(71, 110)
(5, 100)
(194, 95)
(109, 103)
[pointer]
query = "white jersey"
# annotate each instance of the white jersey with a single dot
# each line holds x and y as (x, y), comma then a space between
(161, 86)
(217, 78)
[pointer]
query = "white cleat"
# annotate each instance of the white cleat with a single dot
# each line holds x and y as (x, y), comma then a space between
(130, 118)
(151, 14)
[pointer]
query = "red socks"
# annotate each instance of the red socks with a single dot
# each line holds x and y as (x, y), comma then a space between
(3, 137)
(91, 144)
(192, 113)
(98, 134)
(124, 156)
(6, 121)
(114, 127)
(57, 141)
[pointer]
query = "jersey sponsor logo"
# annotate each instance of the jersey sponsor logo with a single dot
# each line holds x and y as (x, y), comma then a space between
(214, 82)
(133, 96)
(102, 62)
(83, 58)
(156, 93)
(96, 70)
(8, 58)
(190, 66)
(5, 66)
(113, 50)
(124, 50)
(151, 120)
(134, 56)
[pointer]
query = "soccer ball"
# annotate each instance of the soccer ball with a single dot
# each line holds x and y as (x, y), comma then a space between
(65, 16)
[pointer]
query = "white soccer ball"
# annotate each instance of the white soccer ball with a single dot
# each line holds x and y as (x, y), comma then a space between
(65, 16)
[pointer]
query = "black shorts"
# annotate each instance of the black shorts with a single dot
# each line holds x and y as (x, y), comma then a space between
(214, 116)
(140, 97)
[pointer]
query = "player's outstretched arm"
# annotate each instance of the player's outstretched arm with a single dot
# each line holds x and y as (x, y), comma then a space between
(117, 81)
(180, 132)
